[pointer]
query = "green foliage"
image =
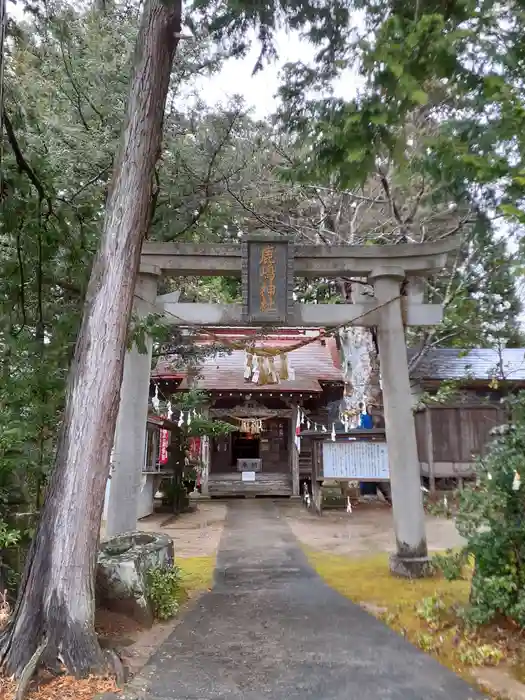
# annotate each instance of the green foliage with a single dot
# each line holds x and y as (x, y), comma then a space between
(164, 591)
(431, 610)
(432, 144)
(472, 653)
(200, 426)
(152, 326)
(9, 537)
(491, 519)
(451, 565)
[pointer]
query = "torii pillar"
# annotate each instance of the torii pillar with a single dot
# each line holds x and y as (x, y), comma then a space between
(411, 558)
(130, 433)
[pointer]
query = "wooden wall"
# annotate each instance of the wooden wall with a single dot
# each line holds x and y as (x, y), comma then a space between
(449, 438)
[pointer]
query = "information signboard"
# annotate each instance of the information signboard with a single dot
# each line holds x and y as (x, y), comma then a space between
(358, 460)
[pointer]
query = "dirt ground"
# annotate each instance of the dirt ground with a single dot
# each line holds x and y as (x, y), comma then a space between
(195, 534)
(367, 530)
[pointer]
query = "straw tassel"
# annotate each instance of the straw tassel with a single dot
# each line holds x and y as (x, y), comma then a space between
(283, 369)
(273, 377)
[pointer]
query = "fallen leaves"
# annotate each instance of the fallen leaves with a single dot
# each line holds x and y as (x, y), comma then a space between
(60, 688)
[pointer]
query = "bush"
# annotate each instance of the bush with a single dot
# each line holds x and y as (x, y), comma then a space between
(164, 591)
(451, 565)
(491, 517)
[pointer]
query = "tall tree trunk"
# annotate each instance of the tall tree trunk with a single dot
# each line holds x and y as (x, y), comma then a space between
(56, 601)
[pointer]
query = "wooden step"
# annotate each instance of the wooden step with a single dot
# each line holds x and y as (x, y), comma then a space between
(264, 485)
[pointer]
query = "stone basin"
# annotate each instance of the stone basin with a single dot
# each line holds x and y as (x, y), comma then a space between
(123, 562)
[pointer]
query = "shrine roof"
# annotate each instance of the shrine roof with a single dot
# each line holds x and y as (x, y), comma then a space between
(479, 364)
(313, 363)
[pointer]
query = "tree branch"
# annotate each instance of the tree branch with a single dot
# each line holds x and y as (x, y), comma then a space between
(22, 163)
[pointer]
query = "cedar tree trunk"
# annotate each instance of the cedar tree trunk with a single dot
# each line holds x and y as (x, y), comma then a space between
(56, 604)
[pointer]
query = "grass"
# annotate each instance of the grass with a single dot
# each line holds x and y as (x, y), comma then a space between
(424, 611)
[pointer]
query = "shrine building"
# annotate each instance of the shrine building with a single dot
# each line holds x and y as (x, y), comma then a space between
(264, 391)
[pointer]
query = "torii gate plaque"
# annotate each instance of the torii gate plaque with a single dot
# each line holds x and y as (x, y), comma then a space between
(267, 279)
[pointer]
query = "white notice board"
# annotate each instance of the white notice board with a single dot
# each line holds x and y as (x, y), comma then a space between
(248, 476)
(355, 459)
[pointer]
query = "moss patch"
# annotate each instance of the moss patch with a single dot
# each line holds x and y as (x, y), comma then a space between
(196, 574)
(424, 611)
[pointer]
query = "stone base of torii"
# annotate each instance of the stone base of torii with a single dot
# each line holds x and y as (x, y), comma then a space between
(395, 272)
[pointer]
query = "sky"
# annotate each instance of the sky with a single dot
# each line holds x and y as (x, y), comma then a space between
(259, 90)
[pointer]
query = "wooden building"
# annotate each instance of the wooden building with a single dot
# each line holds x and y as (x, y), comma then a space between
(259, 457)
(451, 435)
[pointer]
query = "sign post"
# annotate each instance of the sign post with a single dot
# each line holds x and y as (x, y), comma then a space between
(267, 278)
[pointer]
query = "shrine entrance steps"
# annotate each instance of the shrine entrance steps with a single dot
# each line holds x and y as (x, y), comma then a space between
(224, 485)
(270, 629)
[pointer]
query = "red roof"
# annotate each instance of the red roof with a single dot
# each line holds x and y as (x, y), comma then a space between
(312, 363)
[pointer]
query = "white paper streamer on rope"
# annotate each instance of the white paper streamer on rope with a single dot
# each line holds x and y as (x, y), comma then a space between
(297, 439)
(169, 411)
(248, 367)
(155, 400)
(181, 419)
(188, 419)
(332, 435)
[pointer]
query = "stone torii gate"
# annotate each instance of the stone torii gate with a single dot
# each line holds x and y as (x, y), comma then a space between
(268, 264)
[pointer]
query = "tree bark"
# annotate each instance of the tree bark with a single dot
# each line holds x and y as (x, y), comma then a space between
(56, 601)
(361, 363)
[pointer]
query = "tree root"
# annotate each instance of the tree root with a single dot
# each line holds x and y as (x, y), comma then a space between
(29, 671)
(116, 664)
